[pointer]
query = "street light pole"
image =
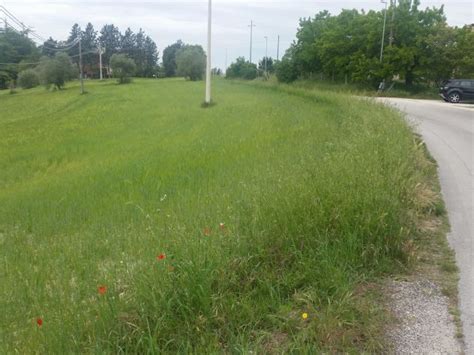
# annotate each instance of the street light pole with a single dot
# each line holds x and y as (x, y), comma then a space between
(208, 68)
(278, 48)
(251, 38)
(383, 31)
(80, 64)
(266, 54)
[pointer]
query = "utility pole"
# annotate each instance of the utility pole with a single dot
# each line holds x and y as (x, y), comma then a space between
(225, 67)
(383, 31)
(101, 51)
(393, 5)
(208, 68)
(278, 48)
(266, 54)
(80, 65)
(251, 37)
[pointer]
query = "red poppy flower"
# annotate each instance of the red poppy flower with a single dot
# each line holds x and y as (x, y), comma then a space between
(207, 231)
(161, 256)
(39, 321)
(102, 290)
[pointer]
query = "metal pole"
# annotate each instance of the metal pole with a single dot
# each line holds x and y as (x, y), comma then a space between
(251, 38)
(225, 67)
(393, 5)
(278, 48)
(208, 69)
(81, 75)
(383, 31)
(266, 54)
(100, 62)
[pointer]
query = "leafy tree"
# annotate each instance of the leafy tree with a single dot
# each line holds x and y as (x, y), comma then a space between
(286, 70)
(270, 65)
(464, 52)
(128, 43)
(191, 62)
(56, 71)
(123, 67)
(169, 58)
(150, 58)
(14, 47)
(242, 69)
(28, 79)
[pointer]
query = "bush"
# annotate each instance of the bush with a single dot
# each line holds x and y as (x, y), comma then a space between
(286, 71)
(28, 79)
(56, 71)
(123, 68)
(242, 69)
(191, 62)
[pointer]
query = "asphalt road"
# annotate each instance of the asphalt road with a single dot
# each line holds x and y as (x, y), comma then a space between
(448, 131)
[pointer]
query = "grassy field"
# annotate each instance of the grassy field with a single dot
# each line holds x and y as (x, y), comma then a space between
(133, 220)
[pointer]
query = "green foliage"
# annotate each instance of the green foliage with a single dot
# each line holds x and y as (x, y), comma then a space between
(169, 58)
(270, 64)
(14, 47)
(242, 69)
(123, 67)
(28, 79)
(191, 62)
(347, 46)
(286, 70)
(314, 191)
(56, 71)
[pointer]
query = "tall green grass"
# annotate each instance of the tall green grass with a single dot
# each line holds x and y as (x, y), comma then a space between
(213, 230)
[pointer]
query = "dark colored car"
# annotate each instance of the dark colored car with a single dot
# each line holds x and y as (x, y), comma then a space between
(457, 90)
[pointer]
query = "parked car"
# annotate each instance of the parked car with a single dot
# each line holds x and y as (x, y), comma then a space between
(457, 90)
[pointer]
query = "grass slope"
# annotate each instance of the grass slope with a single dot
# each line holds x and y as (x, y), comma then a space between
(212, 230)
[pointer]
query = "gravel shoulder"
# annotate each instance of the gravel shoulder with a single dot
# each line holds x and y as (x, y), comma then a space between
(424, 324)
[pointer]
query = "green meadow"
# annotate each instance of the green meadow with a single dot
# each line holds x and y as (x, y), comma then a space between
(132, 220)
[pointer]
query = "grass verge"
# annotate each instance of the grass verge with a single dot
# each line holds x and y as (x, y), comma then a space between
(132, 220)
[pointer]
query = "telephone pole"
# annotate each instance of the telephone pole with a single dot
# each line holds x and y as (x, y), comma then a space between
(81, 75)
(383, 31)
(266, 54)
(208, 68)
(101, 51)
(251, 38)
(393, 5)
(278, 48)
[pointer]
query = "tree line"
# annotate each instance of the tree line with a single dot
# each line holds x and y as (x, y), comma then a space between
(18, 52)
(420, 47)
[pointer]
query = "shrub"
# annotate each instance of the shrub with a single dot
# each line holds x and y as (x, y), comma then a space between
(286, 71)
(28, 79)
(123, 67)
(242, 69)
(56, 71)
(191, 62)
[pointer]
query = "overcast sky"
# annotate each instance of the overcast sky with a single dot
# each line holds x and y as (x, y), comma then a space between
(167, 20)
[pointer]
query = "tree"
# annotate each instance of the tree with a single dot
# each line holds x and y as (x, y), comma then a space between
(74, 34)
(242, 69)
(123, 67)
(169, 58)
(150, 58)
(191, 62)
(56, 71)
(270, 65)
(49, 47)
(28, 79)
(109, 40)
(14, 48)
(89, 49)
(286, 70)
